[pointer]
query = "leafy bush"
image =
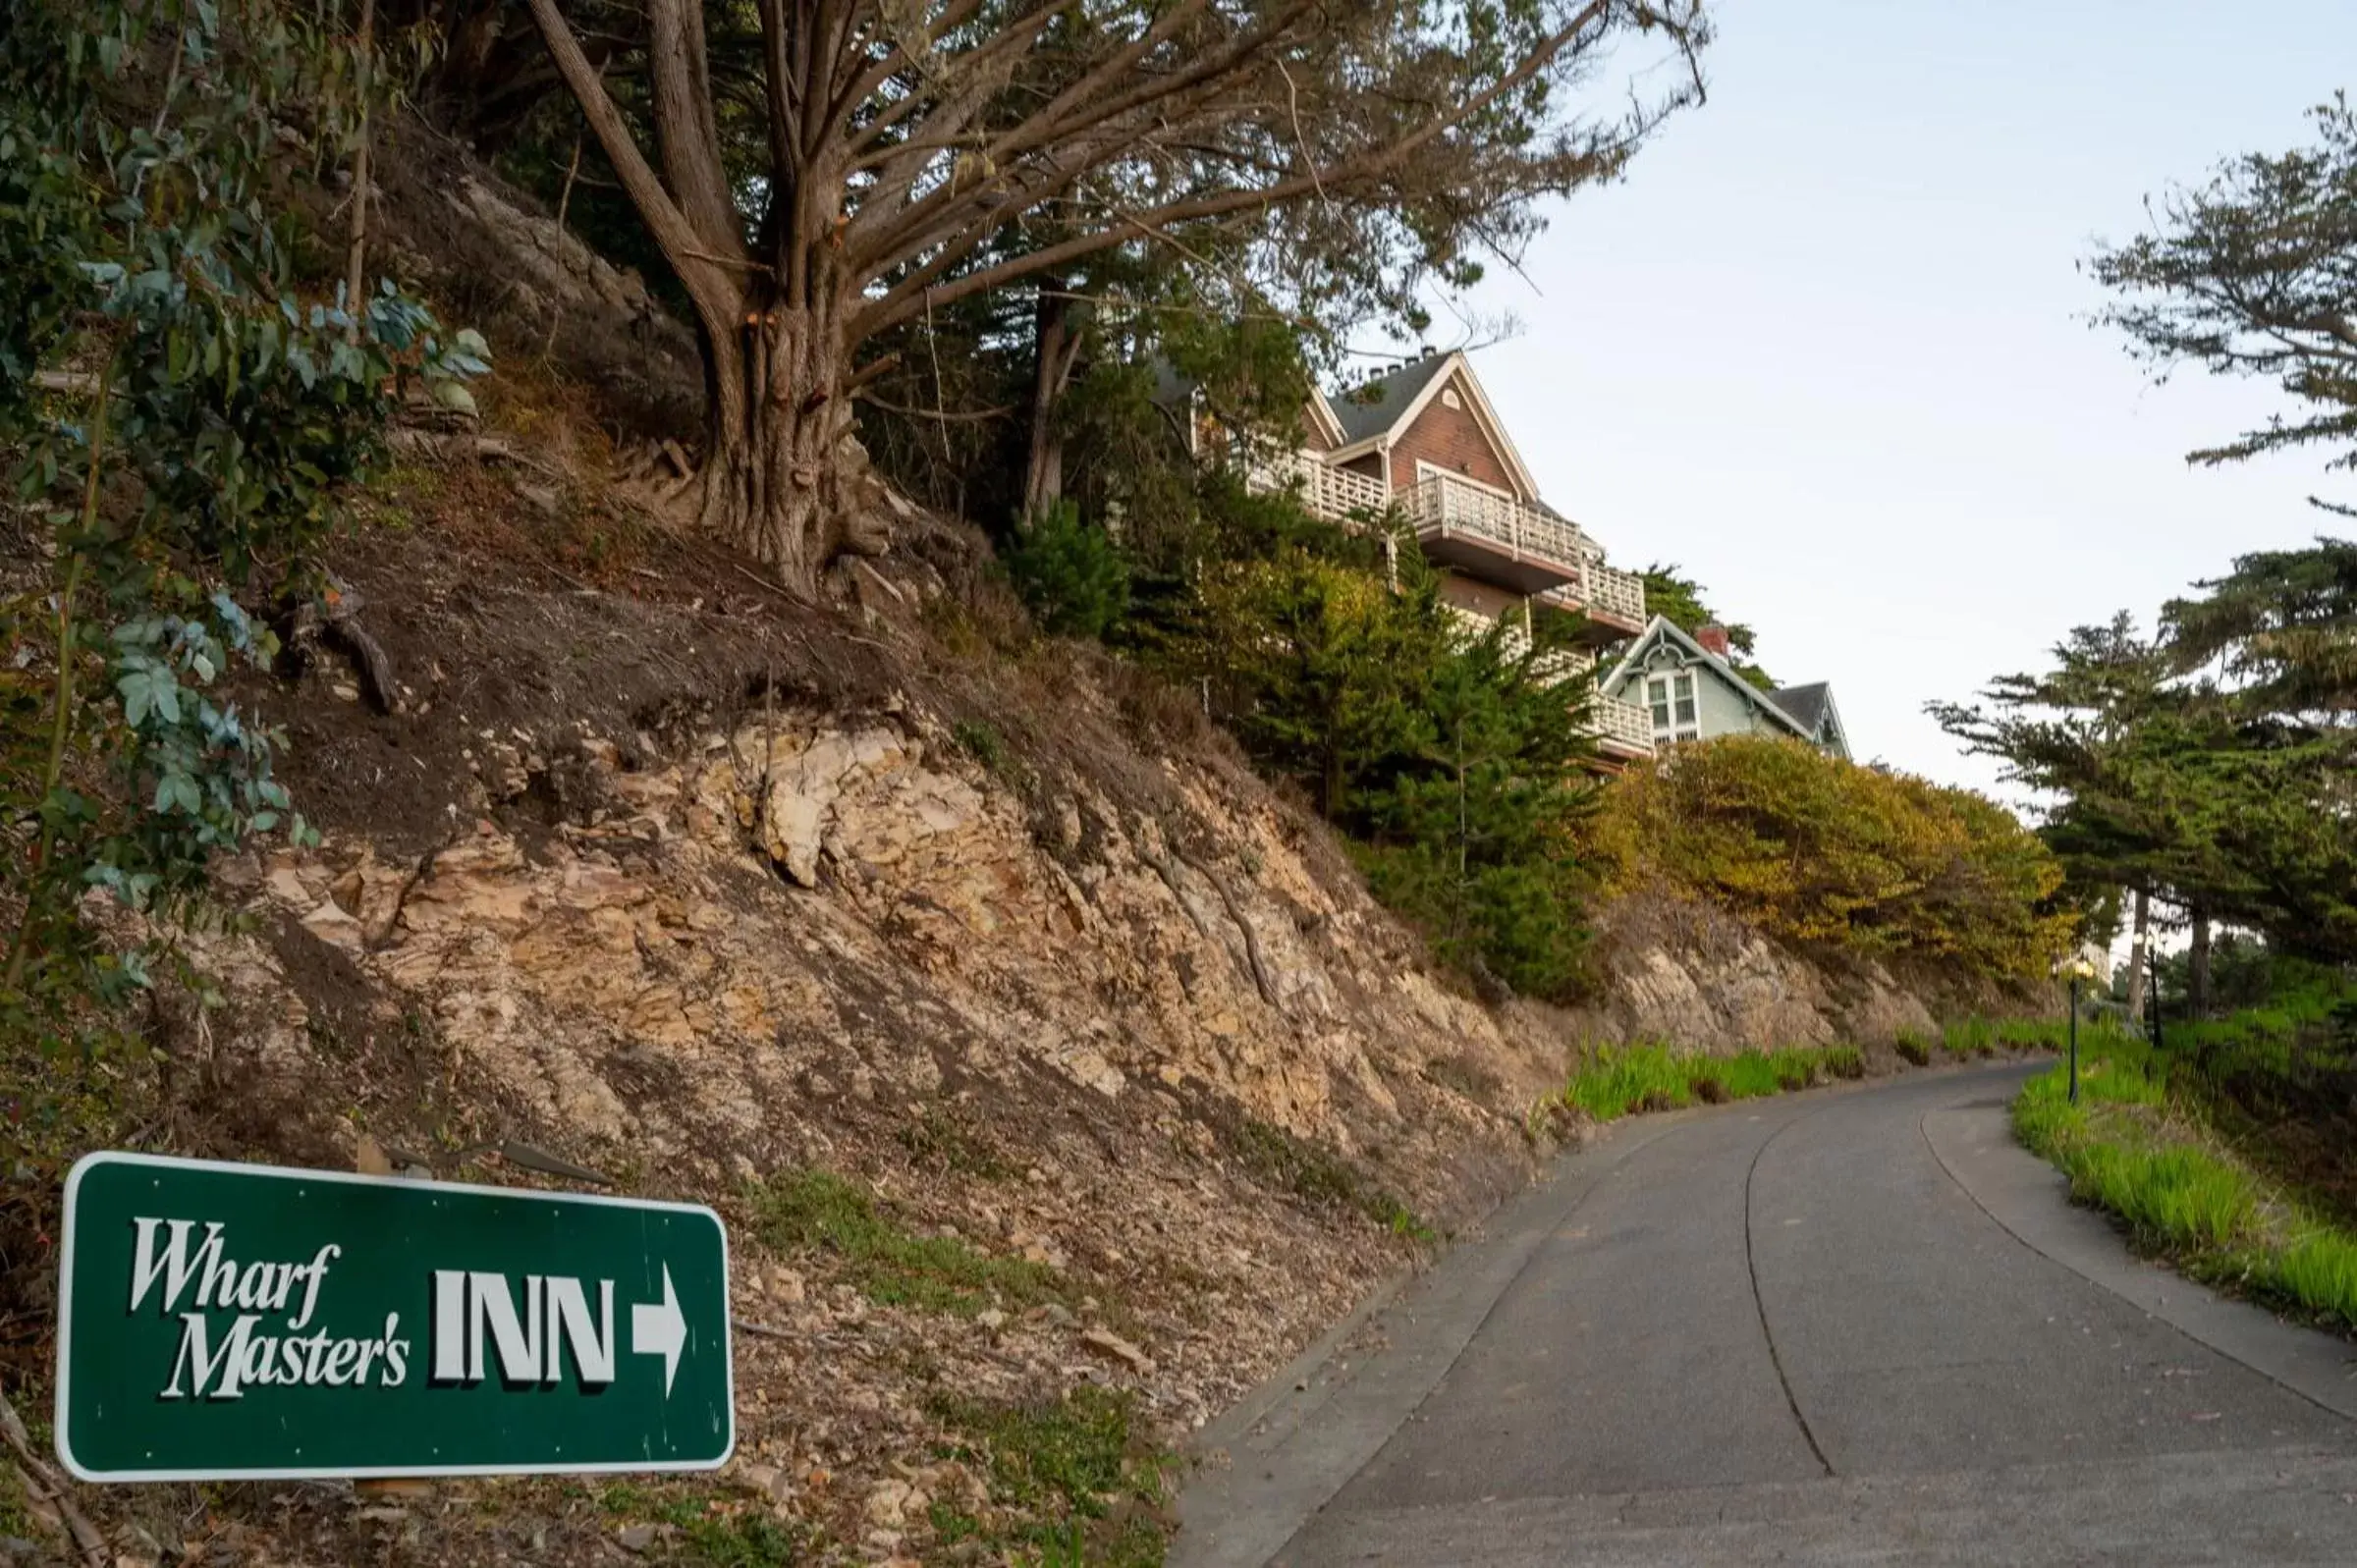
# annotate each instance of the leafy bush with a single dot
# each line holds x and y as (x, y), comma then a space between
(1815, 848)
(213, 417)
(1071, 577)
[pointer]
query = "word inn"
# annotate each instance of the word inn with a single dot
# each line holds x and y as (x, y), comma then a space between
(474, 1310)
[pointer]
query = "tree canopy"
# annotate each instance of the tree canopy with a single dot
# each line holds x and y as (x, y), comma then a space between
(860, 167)
(2255, 274)
(2212, 765)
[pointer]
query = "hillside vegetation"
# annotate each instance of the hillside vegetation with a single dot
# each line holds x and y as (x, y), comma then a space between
(1816, 849)
(1082, 931)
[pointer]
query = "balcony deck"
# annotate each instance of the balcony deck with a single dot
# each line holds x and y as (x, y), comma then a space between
(1477, 531)
(1496, 537)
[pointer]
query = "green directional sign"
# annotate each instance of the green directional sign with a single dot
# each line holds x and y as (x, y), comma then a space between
(221, 1321)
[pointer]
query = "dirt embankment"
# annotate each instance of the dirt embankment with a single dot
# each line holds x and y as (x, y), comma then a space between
(655, 870)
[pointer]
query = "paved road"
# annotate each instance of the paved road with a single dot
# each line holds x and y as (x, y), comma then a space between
(1856, 1326)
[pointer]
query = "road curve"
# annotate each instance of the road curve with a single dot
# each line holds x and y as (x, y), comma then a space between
(1848, 1328)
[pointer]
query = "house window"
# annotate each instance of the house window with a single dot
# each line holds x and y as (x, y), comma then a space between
(1671, 701)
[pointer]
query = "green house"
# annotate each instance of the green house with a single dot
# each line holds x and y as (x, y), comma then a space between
(1690, 691)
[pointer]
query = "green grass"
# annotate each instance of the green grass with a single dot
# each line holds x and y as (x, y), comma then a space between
(1623, 1081)
(1087, 1485)
(2319, 1271)
(2138, 1144)
(742, 1541)
(891, 1265)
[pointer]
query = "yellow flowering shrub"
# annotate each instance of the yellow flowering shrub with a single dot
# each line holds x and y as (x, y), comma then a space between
(1813, 848)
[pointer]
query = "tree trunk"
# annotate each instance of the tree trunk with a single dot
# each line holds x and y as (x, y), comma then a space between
(355, 296)
(1059, 349)
(2197, 966)
(2138, 953)
(774, 468)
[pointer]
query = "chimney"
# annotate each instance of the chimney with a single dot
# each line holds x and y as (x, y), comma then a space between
(1713, 637)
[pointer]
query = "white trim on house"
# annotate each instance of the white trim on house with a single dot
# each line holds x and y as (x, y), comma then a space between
(1836, 734)
(1432, 470)
(1661, 630)
(1322, 413)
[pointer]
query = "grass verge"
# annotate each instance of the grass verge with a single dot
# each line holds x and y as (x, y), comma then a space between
(890, 1264)
(2140, 1146)
(1619, 1082)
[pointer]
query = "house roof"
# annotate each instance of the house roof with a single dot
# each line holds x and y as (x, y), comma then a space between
(1809, 704)
(1379, 406)
(1661, 630)
(1371, 413)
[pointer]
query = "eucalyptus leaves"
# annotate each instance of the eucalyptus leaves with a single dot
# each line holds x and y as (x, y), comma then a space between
(185, 406)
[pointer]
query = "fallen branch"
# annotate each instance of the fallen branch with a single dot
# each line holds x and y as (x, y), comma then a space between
(761, 1331)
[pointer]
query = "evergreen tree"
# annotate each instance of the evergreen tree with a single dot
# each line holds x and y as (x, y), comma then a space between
(2255, 274)
(1473, 834)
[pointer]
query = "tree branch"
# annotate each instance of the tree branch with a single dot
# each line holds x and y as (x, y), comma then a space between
(718, 297)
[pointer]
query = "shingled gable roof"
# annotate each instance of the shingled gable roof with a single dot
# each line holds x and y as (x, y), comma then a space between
(1807, 704)
(1381, 409)
(1659, 629)
(1379, 406)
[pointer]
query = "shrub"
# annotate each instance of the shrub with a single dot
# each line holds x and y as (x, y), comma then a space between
(1914, 1047)
(1814, 848)
(1073, 577)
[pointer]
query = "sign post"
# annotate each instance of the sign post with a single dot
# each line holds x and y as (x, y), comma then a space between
(222, 1321)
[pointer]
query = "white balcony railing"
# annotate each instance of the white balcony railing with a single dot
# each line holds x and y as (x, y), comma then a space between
(1338, 495)
(1603, 590)
(1441, 506)
(1622, 723)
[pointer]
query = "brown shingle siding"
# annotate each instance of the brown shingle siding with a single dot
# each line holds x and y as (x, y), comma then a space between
(1449, 439)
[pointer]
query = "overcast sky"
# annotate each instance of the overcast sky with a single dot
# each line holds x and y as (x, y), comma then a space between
(1825, 346)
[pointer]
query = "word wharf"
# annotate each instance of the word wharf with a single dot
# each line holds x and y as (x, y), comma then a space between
(471, 1309)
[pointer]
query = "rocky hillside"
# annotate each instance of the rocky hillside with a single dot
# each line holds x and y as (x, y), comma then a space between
(1028, 1042)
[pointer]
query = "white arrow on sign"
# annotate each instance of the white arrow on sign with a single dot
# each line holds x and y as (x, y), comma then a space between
(658, 1328)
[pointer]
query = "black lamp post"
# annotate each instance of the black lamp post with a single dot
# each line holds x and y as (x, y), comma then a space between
(2075, 1036)
(2078, 969)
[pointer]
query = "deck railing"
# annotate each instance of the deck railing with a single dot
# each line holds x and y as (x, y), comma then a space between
(1625, 724)
(1607, 590)
(1442, 506)
(1338, 495)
